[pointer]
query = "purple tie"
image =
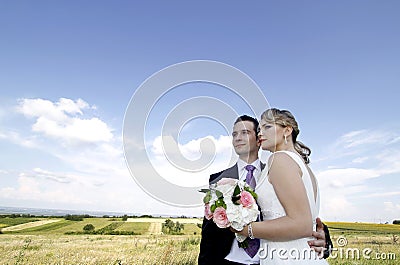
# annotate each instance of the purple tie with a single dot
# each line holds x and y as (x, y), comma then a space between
(253, 244)
(250, 177)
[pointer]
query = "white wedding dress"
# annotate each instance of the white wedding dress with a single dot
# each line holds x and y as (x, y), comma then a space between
(286, 252)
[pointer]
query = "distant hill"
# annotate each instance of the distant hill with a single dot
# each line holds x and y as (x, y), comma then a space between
(62, 212)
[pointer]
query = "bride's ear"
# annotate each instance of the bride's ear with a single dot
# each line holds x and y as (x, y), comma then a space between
(287, 131)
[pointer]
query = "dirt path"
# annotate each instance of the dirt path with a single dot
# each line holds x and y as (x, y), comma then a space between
(162, 220)
(29, 225)
(155, 229)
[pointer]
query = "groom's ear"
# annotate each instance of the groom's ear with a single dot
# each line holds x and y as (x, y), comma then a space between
(257, 130)
(258, 141)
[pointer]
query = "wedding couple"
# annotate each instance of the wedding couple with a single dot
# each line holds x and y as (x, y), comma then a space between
(289, 230)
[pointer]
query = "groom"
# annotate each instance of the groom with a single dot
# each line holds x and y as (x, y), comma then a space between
(218, 246)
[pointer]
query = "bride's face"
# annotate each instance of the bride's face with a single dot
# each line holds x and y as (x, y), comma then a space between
(270, 136)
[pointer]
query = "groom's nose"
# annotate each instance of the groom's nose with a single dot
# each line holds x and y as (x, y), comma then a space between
(238, 137)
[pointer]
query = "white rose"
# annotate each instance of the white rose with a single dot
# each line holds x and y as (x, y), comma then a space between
(233, 211)
(249, 215)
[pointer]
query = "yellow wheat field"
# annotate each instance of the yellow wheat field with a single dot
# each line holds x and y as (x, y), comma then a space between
(98, 249)
(48, 244)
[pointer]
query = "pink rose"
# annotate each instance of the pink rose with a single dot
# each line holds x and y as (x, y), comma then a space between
(220, 218)
(207, 211)
(246, 199)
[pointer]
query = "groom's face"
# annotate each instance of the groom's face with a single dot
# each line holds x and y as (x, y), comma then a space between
(244, 138)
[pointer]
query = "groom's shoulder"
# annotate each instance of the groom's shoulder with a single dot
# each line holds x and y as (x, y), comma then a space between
(215, 176)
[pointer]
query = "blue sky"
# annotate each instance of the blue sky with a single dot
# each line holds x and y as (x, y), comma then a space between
(68, 70)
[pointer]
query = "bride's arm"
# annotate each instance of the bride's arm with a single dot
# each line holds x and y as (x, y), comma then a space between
(285, 176)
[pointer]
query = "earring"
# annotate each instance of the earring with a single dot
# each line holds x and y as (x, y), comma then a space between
(285, 139)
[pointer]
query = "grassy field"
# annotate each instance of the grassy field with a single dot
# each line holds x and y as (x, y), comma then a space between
(8, 221)
(354, 243)
(365, 243)
(139, 227)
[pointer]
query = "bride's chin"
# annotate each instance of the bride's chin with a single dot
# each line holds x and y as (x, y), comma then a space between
(265, 148)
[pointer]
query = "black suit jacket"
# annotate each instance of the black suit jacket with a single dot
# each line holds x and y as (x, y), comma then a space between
(216, 242)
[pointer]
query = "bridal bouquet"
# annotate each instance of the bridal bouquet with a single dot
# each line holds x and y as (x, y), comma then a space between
(230, 203)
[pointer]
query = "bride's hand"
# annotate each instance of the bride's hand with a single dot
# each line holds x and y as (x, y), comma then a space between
(234, 230)
(243, 232)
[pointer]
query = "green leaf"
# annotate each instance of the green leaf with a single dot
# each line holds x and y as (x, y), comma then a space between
(220, 203)
(204, 190)
(236, 192)
(213, 207)
(207, 198)
(219, 194)
(244, 244)
(248, 189)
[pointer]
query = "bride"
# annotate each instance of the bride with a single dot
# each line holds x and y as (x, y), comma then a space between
(287, 195)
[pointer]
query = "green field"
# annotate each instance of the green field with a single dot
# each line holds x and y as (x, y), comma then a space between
(354, 243)
(364, 243)
(139, 228)
(8, 221)
(363, 227)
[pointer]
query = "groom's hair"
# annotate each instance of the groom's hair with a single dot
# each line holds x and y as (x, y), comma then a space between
(250, 119)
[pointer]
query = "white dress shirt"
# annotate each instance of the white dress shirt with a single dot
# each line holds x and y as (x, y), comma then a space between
(237, 254)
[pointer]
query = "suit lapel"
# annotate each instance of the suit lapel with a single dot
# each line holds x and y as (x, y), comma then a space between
(231, 172)
(262, 165)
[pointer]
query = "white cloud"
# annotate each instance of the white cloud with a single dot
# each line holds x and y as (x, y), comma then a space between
(84, 145)
(16, 138)
(171, 164)
(192, 149)
(82, 148)
(356, 160)
(389, 160)
(72, 107)
(59, 120)
(86, 172)
(344, 177)
(2, 113)
(40, 188)
(365, 137)
(335, 206)
(29, 189)
(392, 207)
(60, 178)
(94, 173)
(360, 160)
(74, 129)
(382, 194)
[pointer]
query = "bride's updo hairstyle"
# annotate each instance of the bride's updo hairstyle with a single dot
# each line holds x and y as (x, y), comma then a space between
(286, 119)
